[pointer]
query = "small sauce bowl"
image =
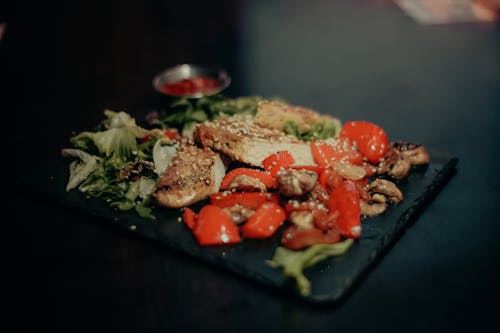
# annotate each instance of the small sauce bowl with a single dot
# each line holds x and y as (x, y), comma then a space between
(191, 81)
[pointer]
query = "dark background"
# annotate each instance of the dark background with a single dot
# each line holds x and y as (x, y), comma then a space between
(63, 62)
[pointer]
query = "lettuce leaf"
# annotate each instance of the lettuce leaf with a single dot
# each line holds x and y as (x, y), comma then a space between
(79, 169)
(325, 128)
(118, 141)
(295, 262)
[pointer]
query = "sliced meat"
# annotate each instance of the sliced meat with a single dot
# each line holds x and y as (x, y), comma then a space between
(249, 143)
(193, 175)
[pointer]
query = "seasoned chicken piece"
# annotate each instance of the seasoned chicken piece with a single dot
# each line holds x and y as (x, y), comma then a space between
(249, 143)
(193, 175)
(274, 115)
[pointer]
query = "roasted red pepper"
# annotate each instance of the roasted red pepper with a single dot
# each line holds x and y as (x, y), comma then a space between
(344, 200)
(296, 238)
(189, 217)
(340, 150)
(277, 161)
(370, 139)
(215, 227)
(248, 199)
(264, 222)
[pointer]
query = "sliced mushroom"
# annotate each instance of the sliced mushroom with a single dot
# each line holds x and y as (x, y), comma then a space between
(387, 188)
(246, 183)
(400, 157)
(296, 183)
(376, 206)
(302, 218)
(415, 153)
(380, 191)
(239, 213)
(400, 169)
(395, 164)
(349, 171)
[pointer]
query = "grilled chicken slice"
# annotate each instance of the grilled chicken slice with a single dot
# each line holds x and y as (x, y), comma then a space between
(193, 175)
(249, 143)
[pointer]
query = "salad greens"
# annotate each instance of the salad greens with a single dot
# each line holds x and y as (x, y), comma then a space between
(185, 113)
(325, 128)
(114, 165)
(295, 262)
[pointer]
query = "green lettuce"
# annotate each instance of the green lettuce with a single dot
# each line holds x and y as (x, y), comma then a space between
(295, 262)
(324, 128)
(118, 141)
(185, 114)
(104, 156)
(81, 168)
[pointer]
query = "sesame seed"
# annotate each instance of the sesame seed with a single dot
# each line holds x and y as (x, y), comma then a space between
(224, 238)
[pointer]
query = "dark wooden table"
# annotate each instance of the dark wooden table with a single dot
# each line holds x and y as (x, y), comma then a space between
(63, 62)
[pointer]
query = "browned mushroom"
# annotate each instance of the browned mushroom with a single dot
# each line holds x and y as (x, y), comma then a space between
(376, 205)
(239, 213)
(349, 171)
(302, 218)
(387, 188)
(380, 191)
(400, 157)
(247, 184)
(415, 153)
(296, 183)
(394, 164)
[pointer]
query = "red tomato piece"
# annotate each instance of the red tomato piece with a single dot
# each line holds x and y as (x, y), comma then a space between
(371, 139)
(189, 217)
(326, 220)
(264, 222)
(214, 226)
(264, 177)
(345, 200)
(341, 151)
(248, 199)
(330, 179)
(296, 238)
(277, 161)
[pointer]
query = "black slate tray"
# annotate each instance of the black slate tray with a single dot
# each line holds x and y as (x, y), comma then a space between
(330, 279)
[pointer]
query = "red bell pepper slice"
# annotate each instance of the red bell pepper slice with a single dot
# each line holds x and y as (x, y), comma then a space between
(248, 199)
(215, 227)
(345, 200)
(277, 161)
(189, 217)
(296, 238)
(371, 139)
(341, 151)
(264, 222)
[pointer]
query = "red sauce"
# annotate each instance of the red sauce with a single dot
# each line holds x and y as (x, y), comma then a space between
(199, 84)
